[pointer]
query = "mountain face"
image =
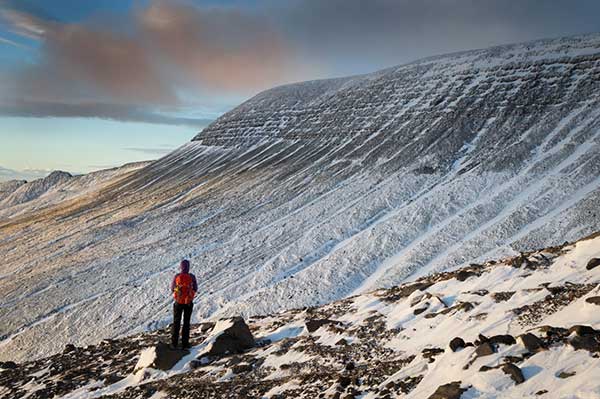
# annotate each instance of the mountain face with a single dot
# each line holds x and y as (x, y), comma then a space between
(311, 192)
(522, 327)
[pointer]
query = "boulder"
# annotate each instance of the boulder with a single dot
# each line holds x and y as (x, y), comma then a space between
(587, 343)
(234, 339)
(448, 391)
(513, 372)
(463, 275)
(594, 300)
(456, 344)
(594, 262)
(582, 330)
(485, 349)
(313, 325)
(532, 343)
(165, 357)
(505, 339)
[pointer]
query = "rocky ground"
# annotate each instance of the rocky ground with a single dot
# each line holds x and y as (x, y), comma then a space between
(524, 326)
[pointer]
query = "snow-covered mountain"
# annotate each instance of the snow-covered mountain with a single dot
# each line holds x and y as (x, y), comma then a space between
(311, 192)
(522, 327)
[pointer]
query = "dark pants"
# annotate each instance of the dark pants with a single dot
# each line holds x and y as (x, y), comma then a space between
(178, 309)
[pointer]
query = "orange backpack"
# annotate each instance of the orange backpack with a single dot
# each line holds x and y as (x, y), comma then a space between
(184, 292)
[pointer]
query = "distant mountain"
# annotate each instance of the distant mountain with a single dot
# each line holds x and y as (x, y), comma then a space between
(10, 174)
(311, 192)
(521, 327)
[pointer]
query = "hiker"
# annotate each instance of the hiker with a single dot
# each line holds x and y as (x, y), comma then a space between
(184, 288)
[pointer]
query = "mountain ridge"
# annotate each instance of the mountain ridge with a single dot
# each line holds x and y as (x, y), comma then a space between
(374, 184)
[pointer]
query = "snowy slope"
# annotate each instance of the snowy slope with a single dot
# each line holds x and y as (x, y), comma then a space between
(311, 192)
(535, 313)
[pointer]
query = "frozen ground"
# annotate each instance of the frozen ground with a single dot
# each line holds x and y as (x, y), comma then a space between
(311, 192)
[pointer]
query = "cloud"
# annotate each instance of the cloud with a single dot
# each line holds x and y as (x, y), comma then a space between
(29, 174)
(151, 151)
(167, 55)
(118, 112)
(180, 55)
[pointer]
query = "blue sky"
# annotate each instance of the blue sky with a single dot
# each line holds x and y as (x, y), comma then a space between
(92, 84)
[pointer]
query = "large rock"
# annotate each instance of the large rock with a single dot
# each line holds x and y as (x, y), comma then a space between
(582, 330)
(532, 343)
(485, 349)
(505, 339)
(448, 391)
(587, 343)
(456, 344)
(160, 357)
(236, 338)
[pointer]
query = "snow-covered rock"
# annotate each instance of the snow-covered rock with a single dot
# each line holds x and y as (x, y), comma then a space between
(530, 311)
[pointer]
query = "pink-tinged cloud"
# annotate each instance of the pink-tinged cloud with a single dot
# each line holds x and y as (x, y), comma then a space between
(219, 49)
(166, 55)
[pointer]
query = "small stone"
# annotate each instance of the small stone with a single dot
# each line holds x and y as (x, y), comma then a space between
(69, 348)
(543, 391)
(594, 262)
(241, 368)
(594, 300)
(565, 374)
(456, 344)
(342, 342)
(513, 372)
(314, 324)
(344, 380)
(8, 365)
(350, 366)
(448, 391)
(417, 312)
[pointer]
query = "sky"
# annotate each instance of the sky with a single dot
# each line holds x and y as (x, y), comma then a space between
(86, 85)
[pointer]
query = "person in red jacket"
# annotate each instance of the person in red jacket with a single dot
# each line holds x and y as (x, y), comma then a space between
(184, 289)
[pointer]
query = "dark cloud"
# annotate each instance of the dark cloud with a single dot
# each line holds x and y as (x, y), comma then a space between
(178, 55)
(116, 112)
(355, 36)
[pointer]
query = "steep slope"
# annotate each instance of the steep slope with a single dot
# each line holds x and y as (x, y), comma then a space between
(311, 192)
(526, 326)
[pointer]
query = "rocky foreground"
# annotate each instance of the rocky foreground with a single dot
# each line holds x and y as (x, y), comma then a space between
(524, 326)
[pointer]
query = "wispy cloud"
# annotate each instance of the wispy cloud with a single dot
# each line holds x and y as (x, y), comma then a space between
(153, 151)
